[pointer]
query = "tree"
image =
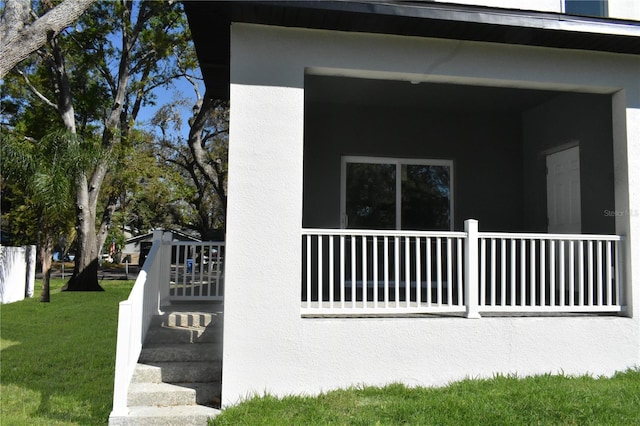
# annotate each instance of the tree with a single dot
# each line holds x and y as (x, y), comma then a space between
(202, 161)
(20, 36)
(42, 169)
(100, 74)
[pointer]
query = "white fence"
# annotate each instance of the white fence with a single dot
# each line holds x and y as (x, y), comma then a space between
(354, 272)
(17, 273)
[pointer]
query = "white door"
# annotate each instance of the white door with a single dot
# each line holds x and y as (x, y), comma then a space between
(563, 192)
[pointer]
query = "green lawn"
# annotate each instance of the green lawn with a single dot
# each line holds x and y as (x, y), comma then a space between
(542, 400)
(57, 364)
(57, 359)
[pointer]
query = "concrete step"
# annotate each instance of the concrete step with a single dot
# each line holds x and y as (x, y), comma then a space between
(193, 415)
(181, 352)
(158, 335)
(145, 373)
(187, 372)
(159, 394)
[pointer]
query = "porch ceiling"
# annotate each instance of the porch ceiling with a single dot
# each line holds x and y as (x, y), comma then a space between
(210, 26)
(429, 96)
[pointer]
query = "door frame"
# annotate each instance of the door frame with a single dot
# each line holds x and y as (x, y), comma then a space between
(556, 150)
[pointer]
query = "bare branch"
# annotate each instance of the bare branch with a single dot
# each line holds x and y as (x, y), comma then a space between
(36, 92)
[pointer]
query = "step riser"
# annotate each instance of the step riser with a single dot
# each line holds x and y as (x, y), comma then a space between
(209, 352)
(179, 372)
(144, 395)
(164, 335)
(206, 393)
(147, 374)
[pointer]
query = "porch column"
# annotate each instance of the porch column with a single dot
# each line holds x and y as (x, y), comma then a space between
(471, 268)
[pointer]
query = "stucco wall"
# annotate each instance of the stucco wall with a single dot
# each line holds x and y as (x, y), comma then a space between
(267, 345)
(620, 9)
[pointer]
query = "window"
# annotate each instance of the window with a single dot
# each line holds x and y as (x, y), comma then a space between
(586, 7)
(373, 197)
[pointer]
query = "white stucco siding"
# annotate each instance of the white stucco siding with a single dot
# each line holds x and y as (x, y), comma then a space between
(537, 5)
(619, 9)
(267, 345)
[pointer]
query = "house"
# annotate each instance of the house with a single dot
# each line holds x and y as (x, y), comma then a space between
(137, 248)
(400, 117)
(421, 192)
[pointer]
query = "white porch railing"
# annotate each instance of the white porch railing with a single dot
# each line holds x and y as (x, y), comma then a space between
(354, 272)
(134, 318)
(196, 271)
(172, 271)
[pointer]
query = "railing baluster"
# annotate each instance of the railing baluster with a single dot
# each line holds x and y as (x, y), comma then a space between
(580, 273)
(354, 266)
(493, 272)
(523, 271)
(319, 285)
(599, 288)
(503, 271)
(375, 272)
(483, 271)
(386, 272)
(532, 272)
(331, 271)
(449, 272)
(617, 272)
(561, 245)
(608, 271)
(460, 271)
(396, 283)
(552, 273)
(342, 270)
(438, 272)
(590, 295)
(513, 272)
(365, 283)
(543, 273)
(429, 277)
(407, 270)
(418, 263)
(572, 276)
(309, 271)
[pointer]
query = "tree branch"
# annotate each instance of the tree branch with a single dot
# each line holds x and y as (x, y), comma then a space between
(20, 39)
(36, 92)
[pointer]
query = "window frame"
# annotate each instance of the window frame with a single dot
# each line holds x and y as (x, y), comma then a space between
(398, 162)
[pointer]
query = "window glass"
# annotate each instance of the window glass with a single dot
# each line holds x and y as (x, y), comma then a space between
(586, 7)
(425, 197)
(373, 198)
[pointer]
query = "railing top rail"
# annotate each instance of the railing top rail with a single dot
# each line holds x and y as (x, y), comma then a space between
(197, 243)
(537, 236)
(383, 233)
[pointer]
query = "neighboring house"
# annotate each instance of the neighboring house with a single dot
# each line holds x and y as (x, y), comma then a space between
(137, 248)
(363, 137)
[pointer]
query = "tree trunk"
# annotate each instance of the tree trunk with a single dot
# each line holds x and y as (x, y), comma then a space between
(46, 254)
(85, 271)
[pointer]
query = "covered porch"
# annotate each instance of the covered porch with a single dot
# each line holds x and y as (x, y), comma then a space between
(394, 170)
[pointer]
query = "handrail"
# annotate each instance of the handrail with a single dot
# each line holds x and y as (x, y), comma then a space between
(383, 233)
(134, 318)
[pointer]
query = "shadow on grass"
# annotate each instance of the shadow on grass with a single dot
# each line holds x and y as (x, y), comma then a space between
(58, 357)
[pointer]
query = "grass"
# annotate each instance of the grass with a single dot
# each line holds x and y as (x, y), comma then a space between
(540, 400)
(57, 364)
(57, 359)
